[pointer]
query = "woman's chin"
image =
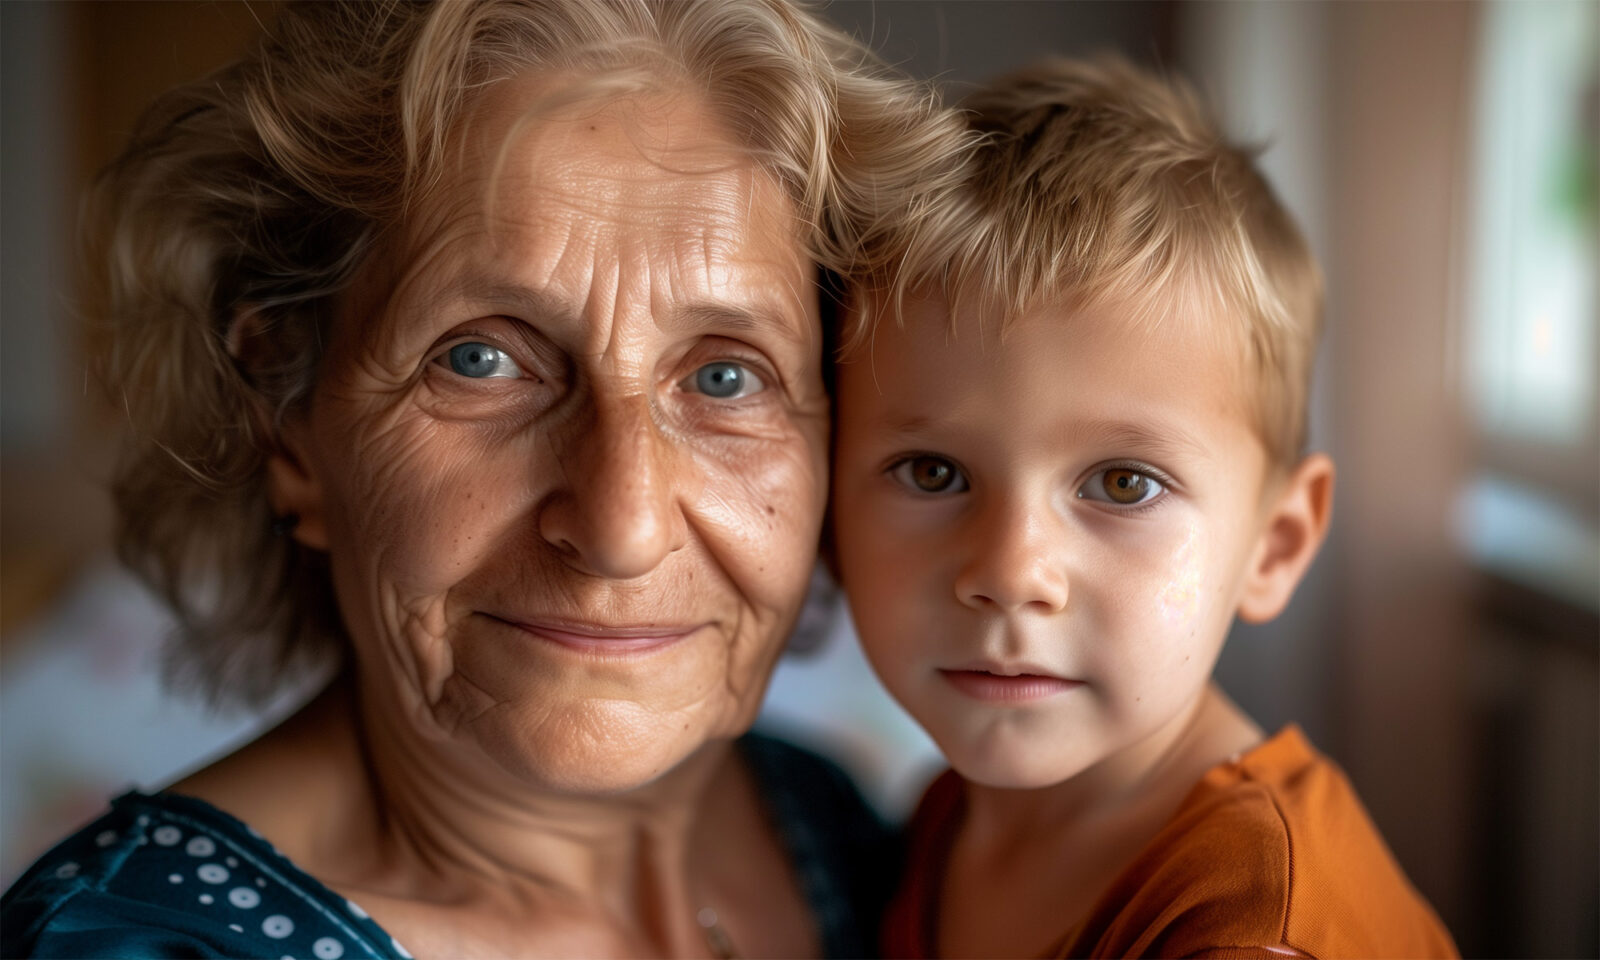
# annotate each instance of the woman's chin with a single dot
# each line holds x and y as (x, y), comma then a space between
(589, 749)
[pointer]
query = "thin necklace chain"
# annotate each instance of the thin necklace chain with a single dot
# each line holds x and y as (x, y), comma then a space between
(717, 939)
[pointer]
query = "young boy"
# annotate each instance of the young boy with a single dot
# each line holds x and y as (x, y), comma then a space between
(1064, 466)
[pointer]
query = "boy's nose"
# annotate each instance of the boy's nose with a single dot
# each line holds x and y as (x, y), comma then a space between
(1013, 566)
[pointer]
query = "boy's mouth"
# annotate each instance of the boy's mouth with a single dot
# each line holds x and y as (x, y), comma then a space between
(993, 687)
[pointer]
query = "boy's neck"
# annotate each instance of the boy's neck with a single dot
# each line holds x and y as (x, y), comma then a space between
(1027, 865)
(1141, 785)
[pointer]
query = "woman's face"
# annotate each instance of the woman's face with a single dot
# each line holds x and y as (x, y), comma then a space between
(567, 453)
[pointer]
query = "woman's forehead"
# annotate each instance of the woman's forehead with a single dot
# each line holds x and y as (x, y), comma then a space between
(552, 200)
(535, 149)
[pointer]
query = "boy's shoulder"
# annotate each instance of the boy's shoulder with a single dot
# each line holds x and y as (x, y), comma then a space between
(1270, 850)
(1270, 854)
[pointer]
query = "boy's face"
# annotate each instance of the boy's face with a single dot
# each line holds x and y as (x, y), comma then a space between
(1045, 538)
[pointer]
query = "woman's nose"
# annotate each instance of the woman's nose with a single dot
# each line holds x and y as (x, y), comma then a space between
(1013, 563)
(617, 512)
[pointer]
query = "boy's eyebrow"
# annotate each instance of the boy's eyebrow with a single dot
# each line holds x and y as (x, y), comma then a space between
(1164, 439)
(909, 423)
(1168, 439)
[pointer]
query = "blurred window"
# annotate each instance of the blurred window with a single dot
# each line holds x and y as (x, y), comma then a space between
(1531, 361)
(1533, 282)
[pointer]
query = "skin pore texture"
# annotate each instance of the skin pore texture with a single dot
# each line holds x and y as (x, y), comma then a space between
(1045, 536)
(567, 456)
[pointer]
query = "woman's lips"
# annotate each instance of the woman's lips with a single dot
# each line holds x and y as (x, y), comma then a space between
(1007, 687)
(605, 638)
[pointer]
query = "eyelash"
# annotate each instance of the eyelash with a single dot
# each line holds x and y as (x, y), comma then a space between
(893, 467)
(1132, 466)
(474, 335)
(1161, 478)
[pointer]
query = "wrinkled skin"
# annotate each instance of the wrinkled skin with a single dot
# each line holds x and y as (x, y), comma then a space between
(609, 250)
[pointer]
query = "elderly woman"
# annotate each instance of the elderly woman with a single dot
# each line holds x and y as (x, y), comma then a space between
(478, 348)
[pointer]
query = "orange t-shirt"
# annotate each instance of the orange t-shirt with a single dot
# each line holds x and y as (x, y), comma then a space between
(1269, 855)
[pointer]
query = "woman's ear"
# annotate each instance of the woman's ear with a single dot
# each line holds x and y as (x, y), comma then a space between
(293, 490)
(1295, 527)
(293, 487)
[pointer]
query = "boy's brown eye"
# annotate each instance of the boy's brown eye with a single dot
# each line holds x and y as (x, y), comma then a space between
(929, 474)
(1125, 486)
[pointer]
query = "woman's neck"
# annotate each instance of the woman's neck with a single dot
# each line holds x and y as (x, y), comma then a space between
(382, 813)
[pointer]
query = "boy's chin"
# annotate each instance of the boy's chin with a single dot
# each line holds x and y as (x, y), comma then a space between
(1009, 767)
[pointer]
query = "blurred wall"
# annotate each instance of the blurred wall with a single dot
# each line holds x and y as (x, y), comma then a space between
(1460, 695)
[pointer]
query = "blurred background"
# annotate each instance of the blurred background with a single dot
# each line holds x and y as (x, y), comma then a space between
(1445, 649)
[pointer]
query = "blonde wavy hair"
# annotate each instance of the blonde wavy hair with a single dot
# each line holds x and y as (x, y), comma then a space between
(1100, 183)
(261, 191)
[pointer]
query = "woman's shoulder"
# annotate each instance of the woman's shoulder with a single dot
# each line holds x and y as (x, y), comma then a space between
(163, 875)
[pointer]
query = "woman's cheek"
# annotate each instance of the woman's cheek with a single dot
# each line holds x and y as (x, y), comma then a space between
(761, 513)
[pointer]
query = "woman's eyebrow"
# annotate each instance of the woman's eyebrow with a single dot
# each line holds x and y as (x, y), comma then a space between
(754, 318)
(524, 302)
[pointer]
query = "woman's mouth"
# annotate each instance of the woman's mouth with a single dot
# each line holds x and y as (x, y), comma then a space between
(1007, 687)
(605, 638)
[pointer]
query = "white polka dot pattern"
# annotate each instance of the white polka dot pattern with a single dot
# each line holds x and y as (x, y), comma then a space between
(244, 898)
(241, 892)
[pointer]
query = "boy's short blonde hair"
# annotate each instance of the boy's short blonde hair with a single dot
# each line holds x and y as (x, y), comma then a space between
(1100, 183)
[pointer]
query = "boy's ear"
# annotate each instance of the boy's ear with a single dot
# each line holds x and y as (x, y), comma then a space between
(1295, 527)
(293, 491)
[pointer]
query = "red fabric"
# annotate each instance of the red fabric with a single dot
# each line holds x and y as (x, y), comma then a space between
(1269, 855)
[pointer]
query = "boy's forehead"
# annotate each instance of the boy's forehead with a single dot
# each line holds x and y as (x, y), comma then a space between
(1145, 330)
(1113, 370)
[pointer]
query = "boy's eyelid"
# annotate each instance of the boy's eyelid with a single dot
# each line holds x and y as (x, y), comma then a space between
(895, 459)
(1158, 474)
(894, 463)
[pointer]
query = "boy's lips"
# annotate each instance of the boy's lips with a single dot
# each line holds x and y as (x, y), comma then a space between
(997, 683)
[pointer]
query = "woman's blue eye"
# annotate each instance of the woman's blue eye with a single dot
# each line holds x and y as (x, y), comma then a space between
(929, 474)
(481, 361)
(725, 380)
